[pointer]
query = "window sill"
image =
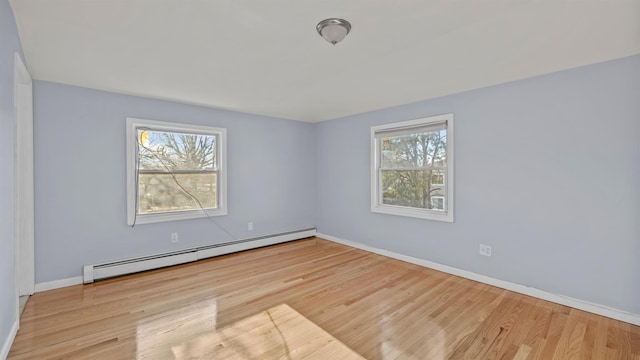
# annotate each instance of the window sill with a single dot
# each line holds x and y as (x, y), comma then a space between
(178, 215)
(413, 212)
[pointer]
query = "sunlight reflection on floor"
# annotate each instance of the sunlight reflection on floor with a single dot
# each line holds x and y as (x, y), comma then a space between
(277, 333)
(174, 327)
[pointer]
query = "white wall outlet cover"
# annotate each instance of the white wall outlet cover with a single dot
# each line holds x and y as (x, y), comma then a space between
(485, 250)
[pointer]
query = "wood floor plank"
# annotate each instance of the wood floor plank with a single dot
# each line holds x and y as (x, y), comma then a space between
(310, 299)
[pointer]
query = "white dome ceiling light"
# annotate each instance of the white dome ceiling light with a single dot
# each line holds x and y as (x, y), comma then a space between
(333, 30)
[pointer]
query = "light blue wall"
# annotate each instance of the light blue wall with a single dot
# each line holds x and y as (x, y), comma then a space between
(9, 44)
(80, 178)
(547, 172)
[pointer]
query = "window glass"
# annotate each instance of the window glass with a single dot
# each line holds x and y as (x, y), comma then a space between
(177, 171)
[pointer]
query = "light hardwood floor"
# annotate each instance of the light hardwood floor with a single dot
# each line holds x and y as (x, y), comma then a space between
(258, 304)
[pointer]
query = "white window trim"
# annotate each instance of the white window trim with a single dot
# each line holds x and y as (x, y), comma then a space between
(132, 153)
(376, 194)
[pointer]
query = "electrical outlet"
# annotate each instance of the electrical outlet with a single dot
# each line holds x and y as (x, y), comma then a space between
(485, 250)
(174, 237)
(250, 226)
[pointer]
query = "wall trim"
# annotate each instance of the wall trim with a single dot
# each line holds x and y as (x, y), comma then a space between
(56, 284)
(507, 285)
(4, 352)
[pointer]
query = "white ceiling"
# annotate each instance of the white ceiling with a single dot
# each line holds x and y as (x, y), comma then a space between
(265, 57)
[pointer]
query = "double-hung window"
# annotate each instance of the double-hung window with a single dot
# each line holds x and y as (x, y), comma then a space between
(412, 168)
(174, 171)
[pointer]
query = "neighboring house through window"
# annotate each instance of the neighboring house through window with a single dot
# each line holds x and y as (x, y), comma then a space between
(174, 171)
(412, 168)
(437, 202)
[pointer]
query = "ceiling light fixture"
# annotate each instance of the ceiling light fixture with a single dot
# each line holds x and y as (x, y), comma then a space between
(333, 30)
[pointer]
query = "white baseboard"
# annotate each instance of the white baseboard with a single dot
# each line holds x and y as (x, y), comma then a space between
(56, 284)
(522, 289)
(4, 352)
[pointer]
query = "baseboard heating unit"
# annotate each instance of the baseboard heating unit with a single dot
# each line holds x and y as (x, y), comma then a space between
(95, 272)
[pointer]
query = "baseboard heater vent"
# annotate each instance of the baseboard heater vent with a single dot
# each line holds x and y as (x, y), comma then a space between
(95, 272)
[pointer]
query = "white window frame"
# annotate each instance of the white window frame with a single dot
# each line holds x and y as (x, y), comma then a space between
(132, 153)
(376, 188)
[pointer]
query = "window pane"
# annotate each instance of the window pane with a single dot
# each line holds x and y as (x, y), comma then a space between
(159, 150)
(162, 192)
(414, 150)
(176, 171)
(411, 188)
